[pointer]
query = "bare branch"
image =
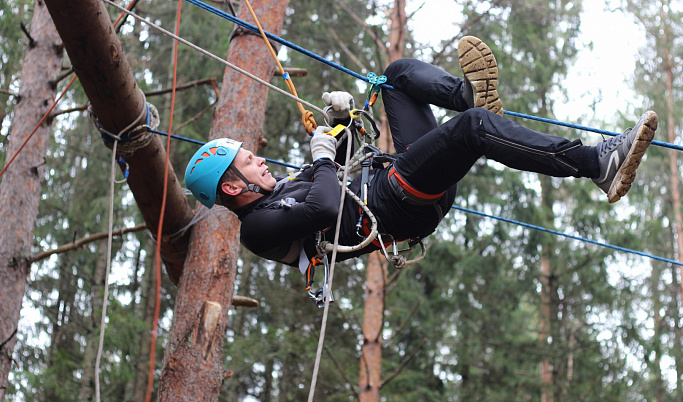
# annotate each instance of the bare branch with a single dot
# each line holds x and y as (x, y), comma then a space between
(206, 81)
(78, 108)
(65, 74)
(404, 363)
(293, 71)
(194, 84)
(463, 30)
(81, 242)
(340, 369)
(405, 322)
(8, 92)
(362, 23)
(31, 42)
(195, 117)
(348, 51)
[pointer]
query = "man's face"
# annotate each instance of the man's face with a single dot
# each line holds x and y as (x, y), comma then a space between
(254, 169)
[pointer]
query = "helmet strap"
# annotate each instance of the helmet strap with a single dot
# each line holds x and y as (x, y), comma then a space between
(250, 187)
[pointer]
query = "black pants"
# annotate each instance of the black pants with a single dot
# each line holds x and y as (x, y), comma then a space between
(433, 158)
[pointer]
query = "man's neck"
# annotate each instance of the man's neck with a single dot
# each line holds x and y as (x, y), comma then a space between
(247, 198)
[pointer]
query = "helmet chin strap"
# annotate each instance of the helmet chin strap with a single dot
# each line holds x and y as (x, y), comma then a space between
(250, 186)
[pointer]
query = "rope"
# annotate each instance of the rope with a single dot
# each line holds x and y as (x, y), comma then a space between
(213, 56)
(106, 275)
(37, 126)
(323, 325)
(569, 236)
(584, 128)
(157, 259)
(306, 116)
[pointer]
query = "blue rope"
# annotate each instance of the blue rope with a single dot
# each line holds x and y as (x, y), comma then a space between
(277, 39)
(567, 235)
(177, 137)
(584, 128)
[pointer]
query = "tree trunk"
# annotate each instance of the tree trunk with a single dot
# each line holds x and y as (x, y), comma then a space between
(373, 322)
(369, 381)
(99, 61)
(193, 364)
(21, 184)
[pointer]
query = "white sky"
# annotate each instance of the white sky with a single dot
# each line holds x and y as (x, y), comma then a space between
(600, 73)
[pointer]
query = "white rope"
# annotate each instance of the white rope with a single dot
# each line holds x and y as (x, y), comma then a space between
(105, 300)
(323, 326)
(220, 59)
(106, 275)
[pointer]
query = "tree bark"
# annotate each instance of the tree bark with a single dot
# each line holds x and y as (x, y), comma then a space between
(99, 61)
(193, 364)
(373, 321)
(373, 315)
(21, 184)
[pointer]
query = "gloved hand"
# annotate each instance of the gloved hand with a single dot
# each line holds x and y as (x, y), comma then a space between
(341, 103)
(323, 145)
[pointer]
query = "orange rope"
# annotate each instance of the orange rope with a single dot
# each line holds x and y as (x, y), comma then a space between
(306, 115)
(37, 126)
(152, 358)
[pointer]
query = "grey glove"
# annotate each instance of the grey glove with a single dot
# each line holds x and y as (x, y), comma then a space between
(323, 145)
(340, 102)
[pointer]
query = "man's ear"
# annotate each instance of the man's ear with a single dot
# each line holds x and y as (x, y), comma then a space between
(230, 188)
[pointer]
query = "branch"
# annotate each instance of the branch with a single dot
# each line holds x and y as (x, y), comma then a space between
(405, 322)
(362, 23)
(463, 29)
(31, 42)
(81, 242)
(78, 108)
(293, 71)
(8, 92)
(194, 84)
(341, 371)
(404, 363)
(348, 51)
(195, 117)
(242, 301)
(65, 74)
(210, 81)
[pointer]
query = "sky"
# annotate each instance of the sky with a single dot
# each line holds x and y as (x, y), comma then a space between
(599, 74)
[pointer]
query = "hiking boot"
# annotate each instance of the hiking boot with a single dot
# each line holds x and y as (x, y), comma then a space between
(481, 75)
(620, 156)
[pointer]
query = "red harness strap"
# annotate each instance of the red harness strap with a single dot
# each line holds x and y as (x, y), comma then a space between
(412, 193)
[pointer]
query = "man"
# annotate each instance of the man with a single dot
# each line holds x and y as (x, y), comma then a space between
(281, 217)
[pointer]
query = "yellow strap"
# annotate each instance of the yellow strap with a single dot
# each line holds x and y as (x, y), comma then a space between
(306, 115)
(335, 131)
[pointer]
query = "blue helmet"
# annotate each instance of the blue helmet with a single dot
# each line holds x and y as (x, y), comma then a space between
(207, 166)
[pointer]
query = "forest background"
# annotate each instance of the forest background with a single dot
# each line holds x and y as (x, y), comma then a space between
(495, 312)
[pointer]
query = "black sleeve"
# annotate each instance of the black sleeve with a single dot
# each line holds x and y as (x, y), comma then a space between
(268, 228)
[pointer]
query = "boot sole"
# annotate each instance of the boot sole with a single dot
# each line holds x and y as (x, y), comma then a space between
(480, 68)
(627, 172)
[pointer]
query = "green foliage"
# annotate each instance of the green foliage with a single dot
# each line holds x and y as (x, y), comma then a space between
(465, 324)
